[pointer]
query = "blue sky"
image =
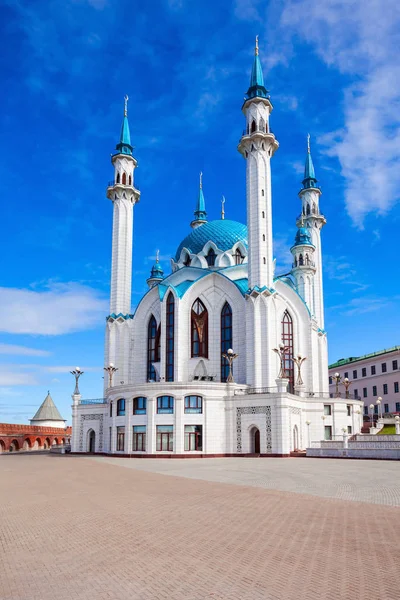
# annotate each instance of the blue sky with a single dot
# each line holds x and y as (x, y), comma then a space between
(332, 70)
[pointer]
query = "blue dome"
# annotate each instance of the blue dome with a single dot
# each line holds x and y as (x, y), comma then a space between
(303, 237)
(223, 232)
(157, 271)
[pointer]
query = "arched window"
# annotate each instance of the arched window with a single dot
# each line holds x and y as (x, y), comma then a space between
(199, 327)
(226, 338)
(187, 260)
(262, 192)
(262, 125)
(110, 409)
(253, 126)
(263, 237)
(118, 178)
(287, 341)
(139, 405)
(170, 338)
(301, 261)
(307, 260)
(295, 261)
(158, 344)
(264, 261)
(130, 179)
(210, 258)
(308, 209)
(314, 208)
(124, 178)
(239, 258)
(263, 214)
(121, 407)
(151, 349)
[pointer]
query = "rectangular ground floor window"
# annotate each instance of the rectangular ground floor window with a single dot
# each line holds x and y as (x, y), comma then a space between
(165, 438)
(120, 439)
(328, 432)
(349, 430)
(193, 437)
(139, 438)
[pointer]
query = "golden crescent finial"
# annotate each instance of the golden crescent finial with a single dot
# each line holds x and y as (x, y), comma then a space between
(256, 48)
(126, 98)
(157, 256)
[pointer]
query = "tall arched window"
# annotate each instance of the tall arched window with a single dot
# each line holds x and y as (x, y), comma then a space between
(121, 407)
(308, 209)
(124, 178)
(238, 257)
(199, 328)
(130, 179)
(151, 349)
(158, 344)
(118, 178)
(170, 338)
(287, 341)
(210, 258)
(226, 338)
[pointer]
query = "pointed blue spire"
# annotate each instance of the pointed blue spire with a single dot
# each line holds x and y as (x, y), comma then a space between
(200, 212)
(257, 88)
(309, 181)
(124, 146)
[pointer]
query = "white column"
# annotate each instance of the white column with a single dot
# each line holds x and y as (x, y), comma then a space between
(151, 426)
(128, 431)
(179, 444)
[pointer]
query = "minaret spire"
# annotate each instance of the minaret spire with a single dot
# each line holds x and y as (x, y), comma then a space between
(223, 208)
(124, 146)
(200, 212)
(309, 181)
(257, 88)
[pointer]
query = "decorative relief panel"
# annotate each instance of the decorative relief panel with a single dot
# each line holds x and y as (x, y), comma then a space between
(295, 411)
(253, 410)
(98, 417)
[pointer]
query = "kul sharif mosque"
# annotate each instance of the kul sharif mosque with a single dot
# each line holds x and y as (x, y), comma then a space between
(221, 357)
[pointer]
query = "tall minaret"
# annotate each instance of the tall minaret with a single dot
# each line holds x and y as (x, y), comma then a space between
(314, 221)
(200, 212)
(257, 146)
(124, 196)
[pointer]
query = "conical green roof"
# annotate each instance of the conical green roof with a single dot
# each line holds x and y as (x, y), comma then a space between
(47, 411)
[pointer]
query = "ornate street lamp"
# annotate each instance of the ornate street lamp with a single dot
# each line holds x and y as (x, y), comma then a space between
(379, 403)
(337, 379)
(371, 407)
(281, 351)
(308, 423)
(347, 384)
(230, 357)
(76, 373)
(110, 370)
(298, 361)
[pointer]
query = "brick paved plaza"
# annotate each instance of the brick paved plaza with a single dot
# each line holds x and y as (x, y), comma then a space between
(83, 528)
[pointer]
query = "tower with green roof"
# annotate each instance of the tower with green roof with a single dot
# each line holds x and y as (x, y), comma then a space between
(313, 220)
(257, 146)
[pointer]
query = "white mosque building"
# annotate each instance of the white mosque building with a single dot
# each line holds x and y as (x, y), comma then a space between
(222, 304)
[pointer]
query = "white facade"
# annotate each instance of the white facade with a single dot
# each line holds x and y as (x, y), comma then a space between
(373, 376)
(172, 393)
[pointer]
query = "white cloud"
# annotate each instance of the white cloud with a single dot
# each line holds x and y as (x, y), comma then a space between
(359, 39)
(22, 350)
(10, 376)
(62, 308)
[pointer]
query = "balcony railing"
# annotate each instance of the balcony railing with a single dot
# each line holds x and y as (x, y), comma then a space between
(274, 390)
(261, 390)
(112, 183)
(94, 401)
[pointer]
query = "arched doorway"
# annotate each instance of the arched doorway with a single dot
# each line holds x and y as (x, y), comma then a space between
(26, 445)
(91, 441)
(295, 438)
(255, 440)
(14, 446)
(36, 444)
(46, 444)
(2, 446)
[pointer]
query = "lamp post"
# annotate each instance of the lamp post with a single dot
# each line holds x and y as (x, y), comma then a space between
(379, 403)
(337, 379)
(110, 370)
(298, 361)
(371, 408)
(230, 357)
(76, 373)
(347, 384)
(281, 351)
(308, 423)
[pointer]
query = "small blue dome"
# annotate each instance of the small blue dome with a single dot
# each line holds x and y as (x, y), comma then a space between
(303, 237)
(223, 233)
(156, 271)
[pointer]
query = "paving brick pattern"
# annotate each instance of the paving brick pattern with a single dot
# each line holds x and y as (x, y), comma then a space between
(79, 528)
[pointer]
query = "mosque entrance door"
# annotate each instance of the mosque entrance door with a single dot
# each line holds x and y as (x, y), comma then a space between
(92, 441)
(255, 441)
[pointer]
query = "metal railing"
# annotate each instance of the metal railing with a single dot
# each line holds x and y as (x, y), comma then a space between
(261, 390)
(94, 401)
(112, 183)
